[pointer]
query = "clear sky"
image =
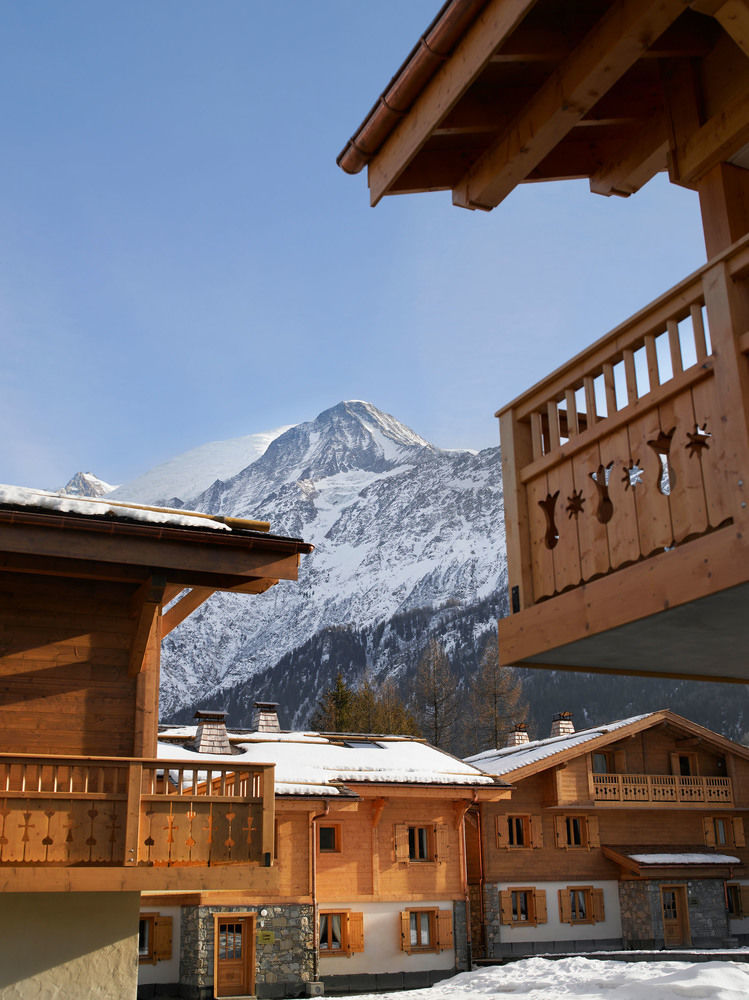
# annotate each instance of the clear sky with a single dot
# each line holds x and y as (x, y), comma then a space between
(182, 261)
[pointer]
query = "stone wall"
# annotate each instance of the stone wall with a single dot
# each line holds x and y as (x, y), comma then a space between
(281, 968)
(460, 939)
(642, 914)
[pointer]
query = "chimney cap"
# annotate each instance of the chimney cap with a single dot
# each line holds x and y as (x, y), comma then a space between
(211, 715)
(268, 705)
(561, 715)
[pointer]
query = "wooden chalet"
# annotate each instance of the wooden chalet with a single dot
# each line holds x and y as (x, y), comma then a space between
(626, 471)
(630, 835)
(372, 888)
(89, 588)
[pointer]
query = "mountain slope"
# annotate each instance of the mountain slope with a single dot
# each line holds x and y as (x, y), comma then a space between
(86, 484)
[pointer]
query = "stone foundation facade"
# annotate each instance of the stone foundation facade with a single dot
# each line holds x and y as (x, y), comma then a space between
(642, 914)
(281, 968)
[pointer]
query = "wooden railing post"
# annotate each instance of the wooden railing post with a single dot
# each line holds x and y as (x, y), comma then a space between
(517, 451)
(269, 811)
(132, 815)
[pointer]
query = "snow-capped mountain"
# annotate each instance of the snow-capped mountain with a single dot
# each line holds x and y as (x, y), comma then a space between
(398, 526)
(86, 484)
(185, 476)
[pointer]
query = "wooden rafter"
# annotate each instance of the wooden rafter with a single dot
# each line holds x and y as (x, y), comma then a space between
(643, 154)
(622, 35)
(733, 17)
(184, 607)
(496, 23)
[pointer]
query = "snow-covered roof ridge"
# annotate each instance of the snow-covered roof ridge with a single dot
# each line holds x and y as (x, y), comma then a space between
(310, 763)
(505, 759)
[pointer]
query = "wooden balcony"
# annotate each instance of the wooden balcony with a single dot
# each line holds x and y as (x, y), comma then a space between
(662, 789)
(134, 823)
(626, 480)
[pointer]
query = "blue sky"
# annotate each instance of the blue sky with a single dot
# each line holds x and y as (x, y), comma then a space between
(182, 261)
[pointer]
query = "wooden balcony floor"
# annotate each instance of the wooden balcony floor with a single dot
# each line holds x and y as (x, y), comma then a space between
(702, 639)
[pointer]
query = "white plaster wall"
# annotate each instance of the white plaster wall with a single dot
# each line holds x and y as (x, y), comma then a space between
(66, 946)
(554, 929)
(382, 943)
(168, 970)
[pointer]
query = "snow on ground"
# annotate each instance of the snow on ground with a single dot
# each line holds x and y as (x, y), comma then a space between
(590, 979)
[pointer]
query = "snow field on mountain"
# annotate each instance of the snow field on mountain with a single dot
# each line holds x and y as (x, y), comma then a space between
(589, 979)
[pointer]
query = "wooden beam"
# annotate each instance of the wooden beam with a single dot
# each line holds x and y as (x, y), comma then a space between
(718, 139)
(643, 154)
(604, 55)
(185, 606)
(145, 607)
(496, 23)
(733, 17)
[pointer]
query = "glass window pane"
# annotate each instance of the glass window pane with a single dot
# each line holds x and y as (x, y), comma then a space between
(335, 931)
(324, 943)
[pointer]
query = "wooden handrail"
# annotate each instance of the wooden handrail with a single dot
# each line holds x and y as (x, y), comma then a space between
(661, 788)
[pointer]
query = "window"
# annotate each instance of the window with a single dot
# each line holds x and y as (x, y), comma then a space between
(684, 764)
(426, 930)
(154, 938)
(581, 904)
(519, 831)
(522, 906)
(724, 831)
(737, 900)
(329, 838)
(341, 932)
(421, 843)
(576, 831)
(602, 763)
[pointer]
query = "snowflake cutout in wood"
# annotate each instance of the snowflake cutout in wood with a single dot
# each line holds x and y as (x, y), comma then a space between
(698, 439)
(633, 474)
(575, 504)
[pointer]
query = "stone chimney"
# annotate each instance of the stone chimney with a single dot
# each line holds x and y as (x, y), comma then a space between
(265, 717)
(562, 725)
(211, 736)
(518, 735)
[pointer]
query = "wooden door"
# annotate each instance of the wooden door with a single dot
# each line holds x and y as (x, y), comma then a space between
(675, 916)
(234, 954)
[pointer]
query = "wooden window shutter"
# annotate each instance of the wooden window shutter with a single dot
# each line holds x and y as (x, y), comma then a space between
(560, 831)
(503, 839)
(709, 828)
(162, 938)
(441, 842)
(444, 929)
(599, 913)
(405, 931)
(355, 932)
(565, 910)
(594, 837)
(620, 761)
(744, 896)
(675, 769)
(505, 907)
(539, 898)
(401, 842)
(739, 837)
(537, 831)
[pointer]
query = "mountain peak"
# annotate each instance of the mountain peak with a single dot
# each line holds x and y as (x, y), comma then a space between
(86, 484)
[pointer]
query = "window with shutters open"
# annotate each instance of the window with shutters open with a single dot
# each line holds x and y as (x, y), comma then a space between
(519, 831)
(421, 843)
(737, 900)
(576, 831)
(426, 930)
(581, 904)
(341, 932)
(724, 831)
(154, 938)
(522, 906)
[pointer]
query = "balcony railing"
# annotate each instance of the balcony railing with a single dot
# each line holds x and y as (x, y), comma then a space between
(662, 788)
(67, 811)
(626, 452)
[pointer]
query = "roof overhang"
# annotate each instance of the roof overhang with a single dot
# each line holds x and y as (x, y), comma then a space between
(500, 92)
(679, 864)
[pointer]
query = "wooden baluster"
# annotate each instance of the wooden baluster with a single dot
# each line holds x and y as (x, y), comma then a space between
(630, 375)
(698, 327)
(651, 355)
(537, 435)
(609, 385)
(674, 345)
(573, 427)
(591, 410)
(552, 414)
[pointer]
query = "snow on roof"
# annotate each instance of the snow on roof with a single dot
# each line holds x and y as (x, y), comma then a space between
(506, 759)
(684, 859)
(313, 764)
(20, 496)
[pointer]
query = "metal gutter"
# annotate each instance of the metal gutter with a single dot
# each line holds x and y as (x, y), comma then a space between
(422, 63)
